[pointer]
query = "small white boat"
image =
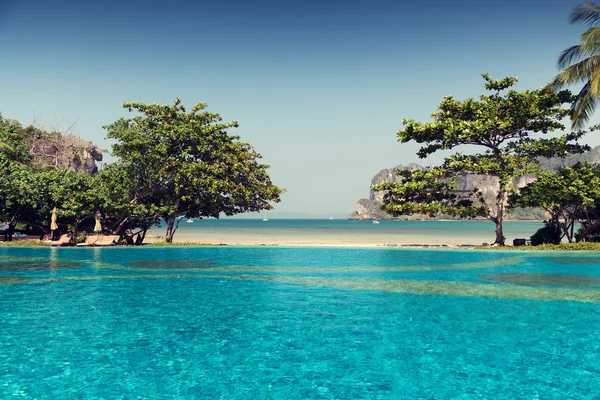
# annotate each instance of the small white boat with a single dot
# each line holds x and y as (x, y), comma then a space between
(330, 217)
(190, 220)
(265, 219)
(375, 221)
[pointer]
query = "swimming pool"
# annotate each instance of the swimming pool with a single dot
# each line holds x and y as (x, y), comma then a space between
(275, 322)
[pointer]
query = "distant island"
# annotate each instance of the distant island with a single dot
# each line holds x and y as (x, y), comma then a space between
(370, 209)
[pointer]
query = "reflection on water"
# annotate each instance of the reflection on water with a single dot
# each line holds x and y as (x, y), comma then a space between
(534, 279)
(10, 279)
(170, 264)
(38, 265)
(144, 265)
(574, 260)
(435, 287)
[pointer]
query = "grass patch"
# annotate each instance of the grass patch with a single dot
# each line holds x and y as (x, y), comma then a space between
(581, 246)
(25, 243)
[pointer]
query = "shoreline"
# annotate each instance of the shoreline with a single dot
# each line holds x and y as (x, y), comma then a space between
(312, 244)
(563, 247)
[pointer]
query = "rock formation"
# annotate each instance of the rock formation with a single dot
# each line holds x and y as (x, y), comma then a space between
(53, 150)
(367, 209)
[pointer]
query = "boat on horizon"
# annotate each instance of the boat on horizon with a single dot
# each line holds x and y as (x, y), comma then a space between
(265, 219)
(375, 221)
(190, 220)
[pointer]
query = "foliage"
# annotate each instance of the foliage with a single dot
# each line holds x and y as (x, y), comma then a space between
(429, 194)
(121, 211)
(580, 64)
(569, 196)
(548, 234)
(581, 246)
(28, 196)
(186, 164)
(173, 163)
(506, 126)
(588, 233)
(12, 144)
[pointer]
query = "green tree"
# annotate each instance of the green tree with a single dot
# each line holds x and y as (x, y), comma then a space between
(504, 126)
(75, 196)
(12, 143)
(580, 64)
(27, 196)
(569, 196)
(185, 164)
(122, 213)
(24, 196)
(16, 187)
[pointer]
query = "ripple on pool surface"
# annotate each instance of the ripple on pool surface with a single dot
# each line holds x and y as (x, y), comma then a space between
(38, 265)
(10, 279)
(171, 264)
(575, 260)
(534, 279)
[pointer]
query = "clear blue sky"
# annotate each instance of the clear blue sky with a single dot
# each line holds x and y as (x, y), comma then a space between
(318, 87)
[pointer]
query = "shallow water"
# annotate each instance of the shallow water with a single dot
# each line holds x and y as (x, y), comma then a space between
(221, 322)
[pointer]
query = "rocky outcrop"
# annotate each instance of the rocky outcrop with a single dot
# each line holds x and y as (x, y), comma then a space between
(367, 209)
(53, 150)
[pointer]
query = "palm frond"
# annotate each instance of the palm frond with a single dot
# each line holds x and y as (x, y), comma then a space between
(577, 73)
(568, 56)
(587, 13)
(595, 84)
(590, 42)
(586, 102)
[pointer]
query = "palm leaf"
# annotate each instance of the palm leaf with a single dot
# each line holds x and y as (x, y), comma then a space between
(590, 42)
(577, 73)
(568, 56)
(587, 13)
(586, 102)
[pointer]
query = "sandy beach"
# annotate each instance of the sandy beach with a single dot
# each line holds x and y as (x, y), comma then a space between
(321, 242)
(342, 233)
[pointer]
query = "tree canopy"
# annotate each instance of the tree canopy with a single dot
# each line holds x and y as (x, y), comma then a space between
(185, 164)
(569, 196)
(504, 133)
(172, 164)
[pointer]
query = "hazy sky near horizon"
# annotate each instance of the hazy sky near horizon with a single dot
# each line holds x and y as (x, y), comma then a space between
(318, 87)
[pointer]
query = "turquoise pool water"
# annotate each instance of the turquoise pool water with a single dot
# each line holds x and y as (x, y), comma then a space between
(291, 323)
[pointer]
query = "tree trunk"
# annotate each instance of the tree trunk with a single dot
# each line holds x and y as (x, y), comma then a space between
(11, 230)
(499, 233)
(498, 220)
(141, 236)
(170, 230)
(75, 231)
(565, 228)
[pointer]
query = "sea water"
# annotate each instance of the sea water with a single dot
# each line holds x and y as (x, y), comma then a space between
(231, 230)
(292, 323)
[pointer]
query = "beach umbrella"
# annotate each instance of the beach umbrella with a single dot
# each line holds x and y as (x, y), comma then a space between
(53, 224)
(98, 226)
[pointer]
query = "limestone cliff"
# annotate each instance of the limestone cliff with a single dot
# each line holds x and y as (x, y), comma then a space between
(53, 150)
(367, 209)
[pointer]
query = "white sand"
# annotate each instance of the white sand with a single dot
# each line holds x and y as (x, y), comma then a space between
(237, 239)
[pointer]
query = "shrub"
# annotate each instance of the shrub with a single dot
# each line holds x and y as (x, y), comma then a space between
(548, 234)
